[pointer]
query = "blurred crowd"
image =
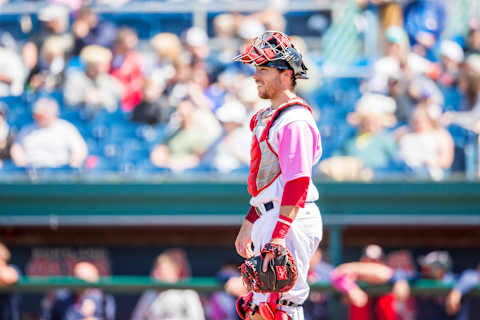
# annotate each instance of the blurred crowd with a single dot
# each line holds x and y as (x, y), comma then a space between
(397, 271)
(102, 99)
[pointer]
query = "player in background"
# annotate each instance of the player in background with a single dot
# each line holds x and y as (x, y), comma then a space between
(285, 145)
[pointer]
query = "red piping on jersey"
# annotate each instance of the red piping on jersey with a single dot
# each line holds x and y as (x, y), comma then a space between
(255, 152)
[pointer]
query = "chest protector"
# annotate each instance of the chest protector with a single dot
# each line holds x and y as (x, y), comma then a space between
(264, 163)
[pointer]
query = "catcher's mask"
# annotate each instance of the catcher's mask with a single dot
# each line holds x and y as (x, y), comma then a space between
(274, 49)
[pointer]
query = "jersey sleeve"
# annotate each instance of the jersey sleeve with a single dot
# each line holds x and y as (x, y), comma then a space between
(297, 144)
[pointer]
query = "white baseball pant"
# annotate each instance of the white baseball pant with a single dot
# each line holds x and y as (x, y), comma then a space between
(302, 240)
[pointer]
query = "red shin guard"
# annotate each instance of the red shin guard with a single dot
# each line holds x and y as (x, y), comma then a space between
(269, 310)
(281, 315)
(244, 306)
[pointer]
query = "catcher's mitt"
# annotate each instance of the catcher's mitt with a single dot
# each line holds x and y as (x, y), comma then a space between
(281, 272)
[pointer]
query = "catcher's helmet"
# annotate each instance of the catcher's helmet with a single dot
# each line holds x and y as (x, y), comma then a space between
(274, 49)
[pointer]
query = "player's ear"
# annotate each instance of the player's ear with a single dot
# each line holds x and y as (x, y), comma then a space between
(287, 75)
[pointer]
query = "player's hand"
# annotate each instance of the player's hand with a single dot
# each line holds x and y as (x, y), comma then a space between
(270, 256)
(243, 243)
(452, 304)
(236, 287)
(357, 297)
(401, 290)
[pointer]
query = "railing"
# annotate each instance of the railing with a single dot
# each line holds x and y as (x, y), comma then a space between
(137, 284)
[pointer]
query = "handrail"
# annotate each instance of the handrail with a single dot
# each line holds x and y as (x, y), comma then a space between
(201, 284)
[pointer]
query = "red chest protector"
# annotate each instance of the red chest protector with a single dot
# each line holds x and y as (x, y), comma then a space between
(264, 163)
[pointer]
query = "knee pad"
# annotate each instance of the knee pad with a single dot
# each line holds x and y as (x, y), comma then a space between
(269, 310)
(281, 315)
(245, 308)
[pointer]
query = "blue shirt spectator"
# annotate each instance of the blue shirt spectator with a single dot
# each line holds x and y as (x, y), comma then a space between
(87, 303)
(424, 22)
(436, 266)
(89, 29)
(465, 308)
(69, 305)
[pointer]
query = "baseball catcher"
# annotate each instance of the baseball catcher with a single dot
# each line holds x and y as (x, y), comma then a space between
(283, 223)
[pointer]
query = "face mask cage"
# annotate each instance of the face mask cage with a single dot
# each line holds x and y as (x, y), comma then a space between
(270, 46)
(274, 49)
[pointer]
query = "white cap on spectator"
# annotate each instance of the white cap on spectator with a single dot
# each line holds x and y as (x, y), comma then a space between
(232, 111)
(372, 103)
(53, 12)
(250, 29)
(373, 252)
(451, 50)
(196, 37)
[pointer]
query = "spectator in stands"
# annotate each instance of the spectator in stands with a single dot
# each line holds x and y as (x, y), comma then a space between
(169, 53)
(93, 88)
(127, 68)
(171, 304)
(398, 305)
(221, 305)
(12, 72)
(89, 29)
(50, 142)
(197, 130)
(7, 40)
(49, 73)
(198, 53)
(469, 83)
(425, 21)
(457, 302)
(316, 306)
(54, 18)
(425, 94)
(426, 148)
(436, 266)
(6, 137)
(223, 43)
(372, 145)
(371, 269)
(398, 63)
(154, 108)
(398, 90)
(451, 57)
(196, 43)
(9, 274)
(90, 303)
(272, 18)
(231, 150)
(218, 91)
(472, 45)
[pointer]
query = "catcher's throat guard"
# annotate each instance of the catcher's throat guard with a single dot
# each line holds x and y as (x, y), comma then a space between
(274, 49)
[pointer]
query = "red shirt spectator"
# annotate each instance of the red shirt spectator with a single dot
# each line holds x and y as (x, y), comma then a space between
(127, 65)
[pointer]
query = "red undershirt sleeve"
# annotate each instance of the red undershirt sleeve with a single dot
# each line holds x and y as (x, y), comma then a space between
(252, 215)
(295, 192)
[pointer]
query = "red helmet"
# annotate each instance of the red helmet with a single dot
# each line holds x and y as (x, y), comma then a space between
(274, 49)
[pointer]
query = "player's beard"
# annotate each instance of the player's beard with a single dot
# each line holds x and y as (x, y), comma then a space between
(268, 89)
